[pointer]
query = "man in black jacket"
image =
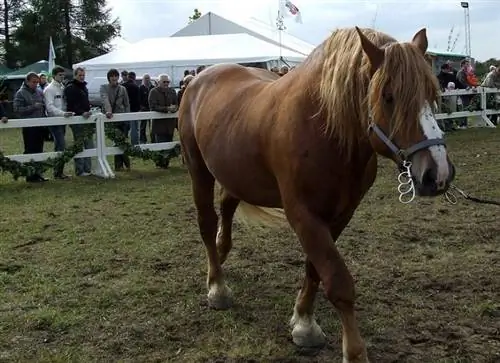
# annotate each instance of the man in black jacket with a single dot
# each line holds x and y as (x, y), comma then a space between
(144, 90)
(446, 76)
(134, 99)
(77, 101)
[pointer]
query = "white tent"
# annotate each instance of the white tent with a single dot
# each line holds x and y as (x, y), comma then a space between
(211, 23)
(174, 54)
(118, 42)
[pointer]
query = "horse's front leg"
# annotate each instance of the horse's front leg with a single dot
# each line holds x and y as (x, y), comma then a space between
(317, 243)
(305, 330)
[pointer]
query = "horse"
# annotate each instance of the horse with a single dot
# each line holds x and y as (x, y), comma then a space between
(302, 149)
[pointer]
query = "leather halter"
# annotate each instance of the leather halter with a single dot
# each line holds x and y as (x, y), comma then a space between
(403, 154)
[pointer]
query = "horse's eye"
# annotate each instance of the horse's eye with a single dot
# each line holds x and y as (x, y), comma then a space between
(388, 98)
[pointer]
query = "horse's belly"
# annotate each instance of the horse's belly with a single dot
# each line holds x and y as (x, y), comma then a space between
(245, 178)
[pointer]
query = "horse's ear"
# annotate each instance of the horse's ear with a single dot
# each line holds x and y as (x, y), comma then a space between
(374, 53)
(420, 40)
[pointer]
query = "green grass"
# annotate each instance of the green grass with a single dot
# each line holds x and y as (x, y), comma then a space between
(114, 271)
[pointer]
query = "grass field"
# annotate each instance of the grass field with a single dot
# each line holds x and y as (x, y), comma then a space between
(114, 271)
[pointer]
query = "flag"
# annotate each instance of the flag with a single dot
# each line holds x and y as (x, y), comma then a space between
(287, 8)
(52, 56)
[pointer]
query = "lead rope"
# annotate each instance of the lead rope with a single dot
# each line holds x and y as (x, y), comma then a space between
(452, 198)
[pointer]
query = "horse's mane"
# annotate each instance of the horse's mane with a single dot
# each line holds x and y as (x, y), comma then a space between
(344, 86)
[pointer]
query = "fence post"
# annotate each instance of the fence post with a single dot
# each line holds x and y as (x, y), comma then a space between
(484, 115)
(102, 161)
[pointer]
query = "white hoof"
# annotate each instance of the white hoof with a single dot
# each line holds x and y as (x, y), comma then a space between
(220, 297)
(306, 332)
(360, 358)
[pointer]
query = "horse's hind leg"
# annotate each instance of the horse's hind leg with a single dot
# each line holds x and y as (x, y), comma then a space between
(228, 205)
(306, 331)
(203, 183)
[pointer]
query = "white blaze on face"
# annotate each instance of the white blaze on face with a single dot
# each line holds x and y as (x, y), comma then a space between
(431, 130)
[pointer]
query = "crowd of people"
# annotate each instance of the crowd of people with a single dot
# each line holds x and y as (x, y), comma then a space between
(37, 98)
(451, 79)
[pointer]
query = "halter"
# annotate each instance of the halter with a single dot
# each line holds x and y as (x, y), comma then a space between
(406, 187)
(403, 154)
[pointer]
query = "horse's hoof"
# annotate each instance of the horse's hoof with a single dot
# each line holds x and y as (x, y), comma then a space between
(308, 335)
(360, 358)
(220, 297)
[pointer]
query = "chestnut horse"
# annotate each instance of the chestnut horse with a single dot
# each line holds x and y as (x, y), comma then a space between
(307, 144)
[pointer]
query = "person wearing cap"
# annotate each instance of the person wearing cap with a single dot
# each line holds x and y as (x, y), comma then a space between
(163, 99)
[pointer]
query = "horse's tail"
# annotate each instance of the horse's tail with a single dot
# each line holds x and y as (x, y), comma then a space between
(256, 215)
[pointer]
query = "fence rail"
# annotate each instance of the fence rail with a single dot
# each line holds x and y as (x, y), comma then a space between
(102, 151)
(484, 112)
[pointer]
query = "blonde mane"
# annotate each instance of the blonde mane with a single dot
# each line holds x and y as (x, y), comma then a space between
(345, 91)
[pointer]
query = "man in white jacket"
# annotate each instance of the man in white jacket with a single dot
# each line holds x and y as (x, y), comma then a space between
(56, 106)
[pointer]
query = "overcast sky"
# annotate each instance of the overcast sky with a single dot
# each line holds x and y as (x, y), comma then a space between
(160, 18)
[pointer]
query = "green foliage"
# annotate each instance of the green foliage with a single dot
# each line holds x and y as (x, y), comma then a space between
(120, 140)
(10, 17)
(482, 68)
(79, 30)
(196, 15)
(18, 169)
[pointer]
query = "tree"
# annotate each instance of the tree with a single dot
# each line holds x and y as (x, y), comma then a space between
(10, 17)
(196, 15)
(482, 68)
(80, 30)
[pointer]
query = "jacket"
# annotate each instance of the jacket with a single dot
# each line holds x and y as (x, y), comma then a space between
(76, 95)
(55, 102)
(159, 100)
(492, 80)
(114, 96)
(134, 97)
(24, 103)
(144, 95)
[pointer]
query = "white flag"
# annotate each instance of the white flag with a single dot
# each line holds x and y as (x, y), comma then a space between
(52, 56)
(287, 8)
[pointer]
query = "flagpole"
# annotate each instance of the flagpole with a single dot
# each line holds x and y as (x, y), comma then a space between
(280, 24)
(52, 56)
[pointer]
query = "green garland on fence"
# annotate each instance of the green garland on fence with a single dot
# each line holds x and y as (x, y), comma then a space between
(30, 168)
(119, 139)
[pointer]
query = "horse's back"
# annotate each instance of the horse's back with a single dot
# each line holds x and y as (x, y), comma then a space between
(224, 83)
(223, 117)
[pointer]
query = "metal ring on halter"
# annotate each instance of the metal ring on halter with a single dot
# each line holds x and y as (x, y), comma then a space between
(401, 187)
(407, 165)
(411, 197)
(450, 197)
(405, 180)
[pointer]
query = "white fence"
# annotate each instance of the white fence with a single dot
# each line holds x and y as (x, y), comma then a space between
(102, 151)
(481, 92)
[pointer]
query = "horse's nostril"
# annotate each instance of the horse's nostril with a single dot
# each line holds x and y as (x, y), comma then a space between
(429, 177)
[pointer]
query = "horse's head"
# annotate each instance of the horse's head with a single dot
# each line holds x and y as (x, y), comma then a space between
(402, 126)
